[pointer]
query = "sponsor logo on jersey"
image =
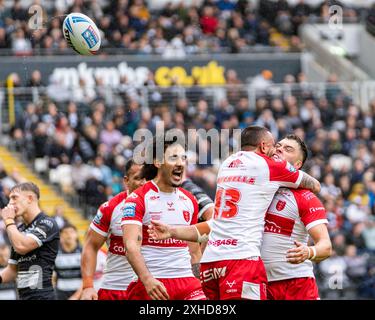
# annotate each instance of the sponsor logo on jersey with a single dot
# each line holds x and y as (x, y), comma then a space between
(42, 232)
(182, 198)
(214, 273)
(312, 210)
(279, 225)
(116, 246)
(98, 217)
(155, 215)
(308, 195)
(186, 215)
(223, 242)
(280, 205)
(284, 192)
(230, 284)
(236, 164)
(152, 198)
(242, 179)
(170, 206)
(47, 222)
(27, 258)
(129, 210)
(165, 243)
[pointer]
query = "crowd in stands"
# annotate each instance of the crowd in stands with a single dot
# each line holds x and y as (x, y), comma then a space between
(178, 29)
(81, 143)
(83, 148)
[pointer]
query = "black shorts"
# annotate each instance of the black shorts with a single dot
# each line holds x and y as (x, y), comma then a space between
(37, 294)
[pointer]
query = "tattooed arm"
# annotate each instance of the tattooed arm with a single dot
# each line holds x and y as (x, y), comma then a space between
(196, 254)
(132, 235)
(308, 182)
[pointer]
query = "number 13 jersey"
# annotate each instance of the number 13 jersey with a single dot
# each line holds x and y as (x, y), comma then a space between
(246, 184)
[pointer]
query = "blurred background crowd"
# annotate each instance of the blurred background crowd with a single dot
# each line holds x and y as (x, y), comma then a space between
(80, 140)
(175, 29)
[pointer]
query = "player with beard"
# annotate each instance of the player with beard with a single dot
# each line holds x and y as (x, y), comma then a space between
(231, 267)
(164, 268)
(293, 215)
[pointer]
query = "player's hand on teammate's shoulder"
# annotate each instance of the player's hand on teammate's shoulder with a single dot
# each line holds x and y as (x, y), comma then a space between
(298, 254)
(156, 289)
(158, 230)
(89, 294)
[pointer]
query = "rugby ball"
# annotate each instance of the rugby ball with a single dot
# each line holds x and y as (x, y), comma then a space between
(81, 33)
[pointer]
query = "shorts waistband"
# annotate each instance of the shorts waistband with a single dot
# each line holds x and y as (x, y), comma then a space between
(254, 258)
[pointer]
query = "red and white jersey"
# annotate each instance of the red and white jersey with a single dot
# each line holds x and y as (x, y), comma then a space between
(168, 258)
(290, 216)
(117, 273)
(246, 184)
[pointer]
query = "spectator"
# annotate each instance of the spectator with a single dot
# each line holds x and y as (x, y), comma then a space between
(7, 290)
(58, 215)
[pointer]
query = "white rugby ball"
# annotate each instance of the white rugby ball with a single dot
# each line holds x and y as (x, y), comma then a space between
(81, 33)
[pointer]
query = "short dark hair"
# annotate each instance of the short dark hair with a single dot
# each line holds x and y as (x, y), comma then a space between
(128, 166)
(27, 186)
(149, 171)
(252, 136)
(68, 226)
(301, 144)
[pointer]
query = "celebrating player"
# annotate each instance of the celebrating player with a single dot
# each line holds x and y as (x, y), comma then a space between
(292, 216)
(106, 227)
(247, 181)
(163, 267)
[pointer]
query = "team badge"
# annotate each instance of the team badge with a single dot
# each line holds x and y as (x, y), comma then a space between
(280, 205)
(186, 215)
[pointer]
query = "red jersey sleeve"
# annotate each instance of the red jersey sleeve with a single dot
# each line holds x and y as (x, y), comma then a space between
(284, 173)
(311, 209)
(102, 220)
(194, 219)
(134, 209)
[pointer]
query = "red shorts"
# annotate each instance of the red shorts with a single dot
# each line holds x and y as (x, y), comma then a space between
(178, 289)
(234, 279)
(293, 289)
(106, 294)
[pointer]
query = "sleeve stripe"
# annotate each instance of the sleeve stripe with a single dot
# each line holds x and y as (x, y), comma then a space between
(300, 176)
(97, 230)
(11, 261)
(315, 223)
(132, 222)
(209, 205)
(40, 243)
(204, 199)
